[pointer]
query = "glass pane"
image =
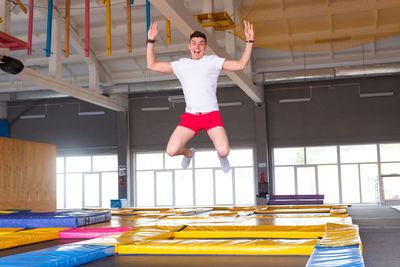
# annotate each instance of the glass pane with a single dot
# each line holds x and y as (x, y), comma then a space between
(91, 190)
(79, 164)
(390, 152)
(328, 183)
(306, 181)
(244, 186)
(289, 156)
(204, 186)
(390, 168)
(350, 184)
(73, 191)
(174, 162)
(284, 181)
(145, 189)
(391, 187)
(206, 159)
(149, 161)
(60, 165)
(362, 153)
(105, 163)
(164, 188)
(223, 187)
(60, 191)
(369, 183)
(321, 155)
(109, 188)
(184, 188)
(241, 157)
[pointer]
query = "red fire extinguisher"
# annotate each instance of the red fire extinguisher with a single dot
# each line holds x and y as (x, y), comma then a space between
(262, 179)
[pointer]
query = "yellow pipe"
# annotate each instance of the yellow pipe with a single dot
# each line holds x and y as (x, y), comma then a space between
(66, 34)
(103, 2)
(23, 8)
(108, 15)
(129, 25)
(168, 29)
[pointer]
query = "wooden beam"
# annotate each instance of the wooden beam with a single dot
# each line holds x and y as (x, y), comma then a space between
(187, 24)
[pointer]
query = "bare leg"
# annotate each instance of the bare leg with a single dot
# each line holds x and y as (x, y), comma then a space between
(220, 140)
(178, 140)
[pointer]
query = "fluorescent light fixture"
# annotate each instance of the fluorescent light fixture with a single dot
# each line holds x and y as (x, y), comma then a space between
(231, 104)
(155, 109)
(28, 117)
(377, 94)
(295, 100)
(176, 99)
(91, 113)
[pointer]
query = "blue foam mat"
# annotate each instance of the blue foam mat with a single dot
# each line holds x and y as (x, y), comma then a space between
(53, 219)
(346, 256)
(60, 256)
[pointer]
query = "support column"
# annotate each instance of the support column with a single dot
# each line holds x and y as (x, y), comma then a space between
(4, 126)
(123, 154)
(207, 6)
(230, 39)
(262, 168)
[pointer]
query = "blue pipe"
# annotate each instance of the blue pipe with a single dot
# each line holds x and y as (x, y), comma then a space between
(147, 16)
(131, 2)
(49, 24)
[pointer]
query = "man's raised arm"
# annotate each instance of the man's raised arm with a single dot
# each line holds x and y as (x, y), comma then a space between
(152, 64)
(235, 65)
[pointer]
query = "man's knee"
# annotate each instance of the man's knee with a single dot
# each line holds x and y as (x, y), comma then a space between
(172, 151)
(223, 152)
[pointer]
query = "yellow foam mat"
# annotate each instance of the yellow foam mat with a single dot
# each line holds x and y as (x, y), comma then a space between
(187, 211)
(340, 235)
(26, 237)
(220, 247)
(197, 232)
(4, 231)
(320, 210)
(130, 237)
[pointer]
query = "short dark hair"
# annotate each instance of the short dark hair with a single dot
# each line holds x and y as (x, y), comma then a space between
(198, 34)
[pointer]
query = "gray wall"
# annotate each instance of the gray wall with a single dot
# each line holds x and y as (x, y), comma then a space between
(151, 130)
(63, 127)
(336, 114)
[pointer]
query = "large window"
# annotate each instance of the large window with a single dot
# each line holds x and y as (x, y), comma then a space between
(161, 181)
(346, 174)
(86, 181)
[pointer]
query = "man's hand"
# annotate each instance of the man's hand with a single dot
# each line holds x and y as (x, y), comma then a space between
(153, 31)
(248, 30)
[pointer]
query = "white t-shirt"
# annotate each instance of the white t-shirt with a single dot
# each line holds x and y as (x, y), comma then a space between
(199, 82)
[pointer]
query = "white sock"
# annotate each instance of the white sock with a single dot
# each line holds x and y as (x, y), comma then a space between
(186, 161)
(224, 164)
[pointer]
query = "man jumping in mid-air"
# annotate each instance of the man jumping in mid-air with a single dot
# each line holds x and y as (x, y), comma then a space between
(198, 76)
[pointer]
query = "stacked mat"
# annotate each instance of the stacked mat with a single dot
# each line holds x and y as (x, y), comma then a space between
(53, 219)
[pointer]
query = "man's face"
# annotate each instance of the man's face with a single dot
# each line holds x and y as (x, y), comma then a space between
(197, 47)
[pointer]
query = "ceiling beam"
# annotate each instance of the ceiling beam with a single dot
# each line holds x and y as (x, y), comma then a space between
(117, 103)
(187, 24)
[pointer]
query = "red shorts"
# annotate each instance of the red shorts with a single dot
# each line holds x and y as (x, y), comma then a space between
(197, 122)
